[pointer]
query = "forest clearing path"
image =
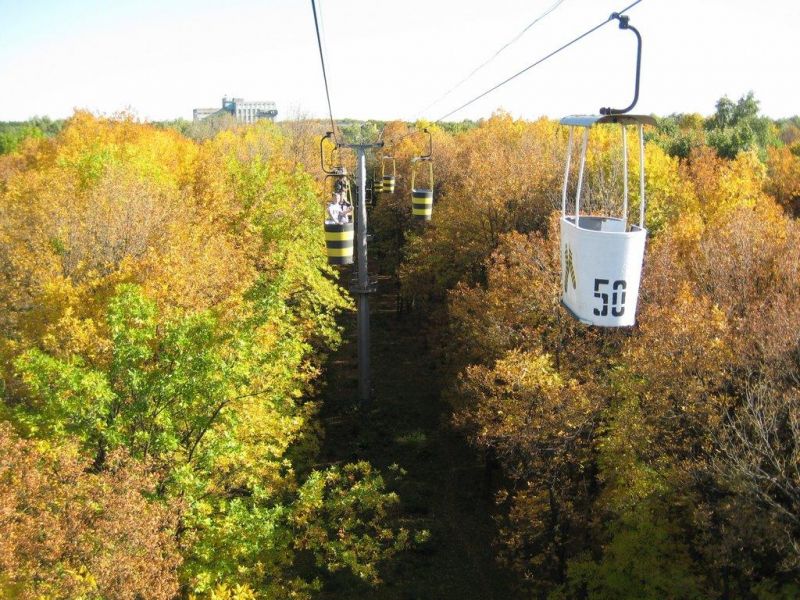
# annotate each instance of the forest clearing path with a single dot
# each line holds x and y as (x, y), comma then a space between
(443, 489)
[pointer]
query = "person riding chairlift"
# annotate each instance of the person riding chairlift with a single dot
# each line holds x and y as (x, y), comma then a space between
(339, 211)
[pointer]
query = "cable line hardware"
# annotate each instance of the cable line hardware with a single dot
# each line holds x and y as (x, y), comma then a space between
(624, 23)
(505, 46)
(324, 72)
(541, 60)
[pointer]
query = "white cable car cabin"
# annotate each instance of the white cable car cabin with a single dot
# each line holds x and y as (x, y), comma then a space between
(601, 255)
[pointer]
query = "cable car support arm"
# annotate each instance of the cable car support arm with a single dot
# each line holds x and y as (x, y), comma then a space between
(624, 24)
(327, 136)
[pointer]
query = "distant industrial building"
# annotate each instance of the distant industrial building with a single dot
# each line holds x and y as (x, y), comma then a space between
(245, 112)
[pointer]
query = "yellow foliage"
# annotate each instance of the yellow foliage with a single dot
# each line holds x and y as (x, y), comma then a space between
(113, 200)
(724, 185)
(668, 195)
(501, 176)
(783, 166)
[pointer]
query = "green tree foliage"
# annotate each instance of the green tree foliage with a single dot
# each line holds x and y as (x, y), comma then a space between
(734, 127)
(171, 301)
(13, 134)
(679, 134)
(737, 126)
(643, 560)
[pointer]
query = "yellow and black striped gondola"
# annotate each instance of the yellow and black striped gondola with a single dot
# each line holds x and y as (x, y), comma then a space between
(388, 179)
(339, 243)
(339, 230)
(422, 197)
(377, 183)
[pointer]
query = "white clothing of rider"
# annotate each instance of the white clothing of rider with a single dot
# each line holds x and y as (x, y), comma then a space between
(334, 212)
(345, 214)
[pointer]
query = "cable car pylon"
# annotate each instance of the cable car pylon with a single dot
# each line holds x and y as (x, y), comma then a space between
(336, 239)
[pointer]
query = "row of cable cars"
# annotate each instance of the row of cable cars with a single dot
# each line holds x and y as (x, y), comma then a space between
(421, 195)
(339, 214)
(601, 255)
(384, 182)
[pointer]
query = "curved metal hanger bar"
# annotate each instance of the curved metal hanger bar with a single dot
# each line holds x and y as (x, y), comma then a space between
(430, 145)
(327, 136)
(384, 158)
(429, 155)
(415, 163)
(624, 24)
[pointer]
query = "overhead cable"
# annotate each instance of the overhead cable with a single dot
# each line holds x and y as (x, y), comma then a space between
(324, 72)
(516, 38)
(538, 62)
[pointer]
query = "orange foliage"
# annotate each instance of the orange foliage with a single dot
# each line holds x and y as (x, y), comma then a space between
(499, 177)
(69, 533)
(783, 167)
(598, 426)
(723, 185)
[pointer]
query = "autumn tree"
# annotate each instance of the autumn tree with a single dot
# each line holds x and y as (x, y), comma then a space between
(171, 301)
(664, 449)
(737, 126)
(73, 532)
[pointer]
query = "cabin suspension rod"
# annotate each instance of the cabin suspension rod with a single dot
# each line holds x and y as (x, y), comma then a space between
(624, 24)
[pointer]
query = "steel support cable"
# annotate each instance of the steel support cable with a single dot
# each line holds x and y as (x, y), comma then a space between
(515, 39)
(391, 143)
(324, 72)
(540, 61)
(323, 32)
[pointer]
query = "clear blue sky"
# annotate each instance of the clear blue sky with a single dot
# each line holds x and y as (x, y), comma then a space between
(389, 59)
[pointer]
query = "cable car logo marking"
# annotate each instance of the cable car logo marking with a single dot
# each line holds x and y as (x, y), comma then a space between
(569, 274)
